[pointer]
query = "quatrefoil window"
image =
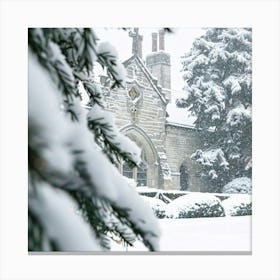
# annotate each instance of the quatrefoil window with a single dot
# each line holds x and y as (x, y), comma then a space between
(132, 93)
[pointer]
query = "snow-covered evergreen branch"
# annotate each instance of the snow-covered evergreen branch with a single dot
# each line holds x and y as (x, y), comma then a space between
(74, 189)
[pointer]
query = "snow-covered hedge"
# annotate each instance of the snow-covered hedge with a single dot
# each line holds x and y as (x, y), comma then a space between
(238, 205)
(157, 205)
(239, 185)
(195, 205)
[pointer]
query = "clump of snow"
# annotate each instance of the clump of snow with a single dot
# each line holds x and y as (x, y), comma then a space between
(157, 205)
(213, 174)
(233, 83)
(239, 185)
(195, 205)
(213, 91)
(238, 116)
(58, 213)
(238, 205)
(211, 157)
(44, 115)
(198, 60)
(217, 52)
(108, 50)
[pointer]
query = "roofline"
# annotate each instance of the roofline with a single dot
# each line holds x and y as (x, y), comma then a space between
(147, 73)
(181, 125)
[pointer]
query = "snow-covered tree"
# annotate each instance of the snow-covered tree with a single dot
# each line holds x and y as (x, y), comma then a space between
(218, 75)
(77, 199)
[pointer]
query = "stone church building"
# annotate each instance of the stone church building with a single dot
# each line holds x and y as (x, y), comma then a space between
(141, 113)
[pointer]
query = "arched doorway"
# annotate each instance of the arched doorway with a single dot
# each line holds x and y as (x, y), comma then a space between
(184, 177)
(147, 174)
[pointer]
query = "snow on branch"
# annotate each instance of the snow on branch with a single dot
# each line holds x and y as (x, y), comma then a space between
(108, 57)
(238, 116)
(57, 211)
(211, 157)
(64, 155)
(52, 59)
(104, 121)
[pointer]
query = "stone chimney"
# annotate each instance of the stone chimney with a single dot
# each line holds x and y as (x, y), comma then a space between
(161, 40)
(154, 42)
(158, 62)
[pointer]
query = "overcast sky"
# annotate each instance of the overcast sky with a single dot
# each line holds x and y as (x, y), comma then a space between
(176, 44)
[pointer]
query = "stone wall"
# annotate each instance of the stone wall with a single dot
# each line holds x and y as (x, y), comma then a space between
(144, 121)
(181, 142)
(150, 112)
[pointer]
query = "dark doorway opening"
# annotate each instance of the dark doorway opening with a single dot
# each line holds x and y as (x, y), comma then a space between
(184, 178)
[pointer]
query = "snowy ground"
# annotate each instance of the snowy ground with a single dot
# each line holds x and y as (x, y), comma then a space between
(202, 234)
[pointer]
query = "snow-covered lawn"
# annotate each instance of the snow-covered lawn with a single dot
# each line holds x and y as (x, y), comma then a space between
(202, 234)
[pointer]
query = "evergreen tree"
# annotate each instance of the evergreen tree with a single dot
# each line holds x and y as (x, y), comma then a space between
(77, 199)
(218, 75)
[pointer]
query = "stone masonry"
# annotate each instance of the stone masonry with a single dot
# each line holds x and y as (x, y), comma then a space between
(140, 113)
(181, 141)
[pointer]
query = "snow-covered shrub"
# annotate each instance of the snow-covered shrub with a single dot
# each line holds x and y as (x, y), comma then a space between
(239, 185)
(157, 205)
(238, 205)
(195, 205)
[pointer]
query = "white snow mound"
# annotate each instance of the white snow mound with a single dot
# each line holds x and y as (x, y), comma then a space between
(239, 185)
(192, 205)
(238, 205)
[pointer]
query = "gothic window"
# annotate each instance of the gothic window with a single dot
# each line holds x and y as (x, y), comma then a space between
(184, 178)
(139, 174)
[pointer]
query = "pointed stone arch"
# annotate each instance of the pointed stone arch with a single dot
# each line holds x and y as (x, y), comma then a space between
(140, 137)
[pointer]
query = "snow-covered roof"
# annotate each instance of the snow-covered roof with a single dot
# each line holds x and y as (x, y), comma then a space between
(178, 116)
